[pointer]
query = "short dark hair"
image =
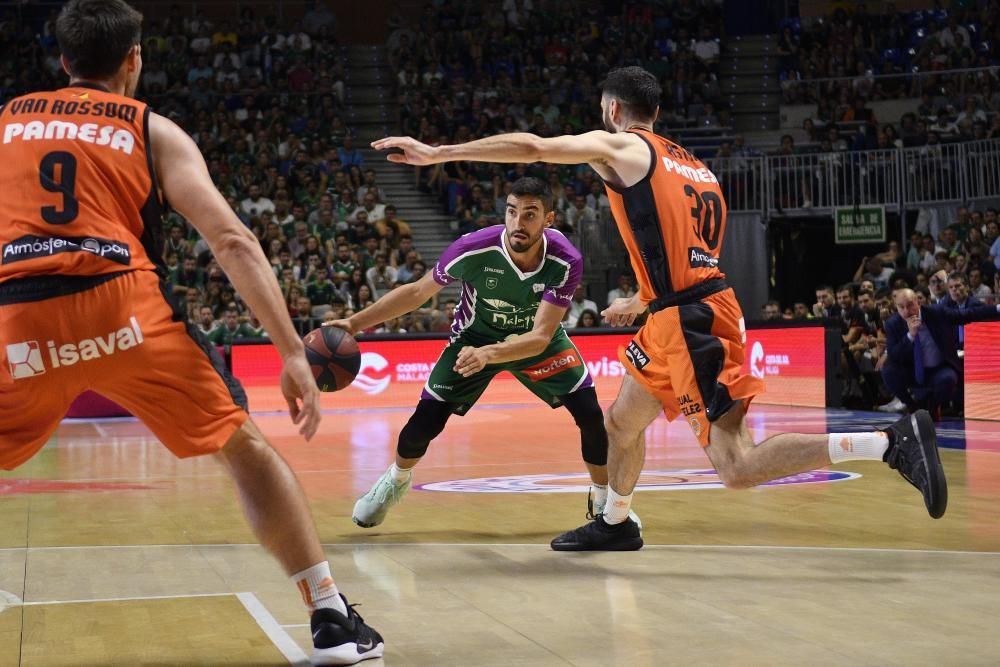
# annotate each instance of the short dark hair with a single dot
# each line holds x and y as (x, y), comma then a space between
(534, 187)
(846, 287)
(958, 275)
(95, 36)
(636, 89)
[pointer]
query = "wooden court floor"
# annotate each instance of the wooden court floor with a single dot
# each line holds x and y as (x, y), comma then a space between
(114, 553)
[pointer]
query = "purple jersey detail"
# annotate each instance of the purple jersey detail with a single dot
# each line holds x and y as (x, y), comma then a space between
(559, 249)
(479, 240)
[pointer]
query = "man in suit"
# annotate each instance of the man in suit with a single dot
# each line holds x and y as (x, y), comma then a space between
(922, 364)
(959, 299)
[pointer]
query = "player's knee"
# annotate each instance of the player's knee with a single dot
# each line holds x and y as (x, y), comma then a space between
(620, 428)
(247, 443)
(734, 475)
(586, 409)
(426, 424)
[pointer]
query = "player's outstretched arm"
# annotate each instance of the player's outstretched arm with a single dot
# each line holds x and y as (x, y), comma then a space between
(403, 299)
(471, 360)
(597, 147)
(188, 187)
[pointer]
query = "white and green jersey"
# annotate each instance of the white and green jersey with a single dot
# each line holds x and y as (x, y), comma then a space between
(498, 299)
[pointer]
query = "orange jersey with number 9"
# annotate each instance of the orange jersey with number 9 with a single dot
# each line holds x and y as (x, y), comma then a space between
(80, 195)
(672, 221)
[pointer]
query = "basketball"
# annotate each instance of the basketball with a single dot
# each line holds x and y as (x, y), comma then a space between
(334, 357)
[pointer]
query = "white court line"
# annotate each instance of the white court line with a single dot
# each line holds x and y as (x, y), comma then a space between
(440, 545)
(38, 603)
(273, 630)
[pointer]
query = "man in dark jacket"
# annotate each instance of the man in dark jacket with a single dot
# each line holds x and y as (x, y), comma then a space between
(959, 299)
(922, 360)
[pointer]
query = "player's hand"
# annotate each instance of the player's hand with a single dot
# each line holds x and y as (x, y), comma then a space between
(414, 152)
(471, 360)
(914, 323)
(344, 324)
(298, 386)
(622, 312)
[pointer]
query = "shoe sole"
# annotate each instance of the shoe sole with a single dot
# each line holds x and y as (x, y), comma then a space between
(345, 654)
(361, 523)
(923, 427)
(631, 544)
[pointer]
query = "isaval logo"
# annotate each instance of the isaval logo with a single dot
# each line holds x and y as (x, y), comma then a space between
(26, 359)
(367, 381)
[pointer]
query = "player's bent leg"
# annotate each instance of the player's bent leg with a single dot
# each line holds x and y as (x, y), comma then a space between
(908, 446)
(279, 515)
(272, 499)
(426, 423)
(741, 464)
(626, 422)
(589, 418)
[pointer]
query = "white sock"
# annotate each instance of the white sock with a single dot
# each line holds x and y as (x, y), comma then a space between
(858, 446)
(617, 508)
(599, 494)
(400, 475)
(317, 588)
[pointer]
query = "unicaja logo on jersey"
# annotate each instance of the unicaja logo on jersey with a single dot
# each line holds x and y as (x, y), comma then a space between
(757, 361)
(372, 362)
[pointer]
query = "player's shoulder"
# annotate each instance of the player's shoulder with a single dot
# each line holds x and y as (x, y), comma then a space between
(482, 239)
(472, 244)
(559, 247)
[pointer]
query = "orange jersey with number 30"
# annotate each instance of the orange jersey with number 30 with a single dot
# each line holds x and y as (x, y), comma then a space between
(80, 196)
(672, 221)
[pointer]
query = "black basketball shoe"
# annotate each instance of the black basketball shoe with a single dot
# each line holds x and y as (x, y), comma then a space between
(913, 452)
(598, 535)
(343, 640)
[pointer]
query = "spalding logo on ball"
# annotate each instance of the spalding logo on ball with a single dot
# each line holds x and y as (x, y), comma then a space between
(334, 357)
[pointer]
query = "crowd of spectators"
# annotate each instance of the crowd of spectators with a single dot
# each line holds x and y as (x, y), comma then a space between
(861, 57)
(263, 99)
(957, 268)
(468, 70)
(888, 54)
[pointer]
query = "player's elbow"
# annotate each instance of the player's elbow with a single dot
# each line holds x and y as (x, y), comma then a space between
(535, 147)
(238, 244)
(539, 341)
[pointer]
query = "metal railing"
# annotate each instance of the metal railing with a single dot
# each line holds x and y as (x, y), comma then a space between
(894, 178)
(890, 86)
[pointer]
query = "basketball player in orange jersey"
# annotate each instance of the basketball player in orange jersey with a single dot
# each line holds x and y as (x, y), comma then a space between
(687, 358)
(87, 172)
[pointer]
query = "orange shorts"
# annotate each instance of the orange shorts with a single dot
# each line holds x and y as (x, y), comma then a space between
(123, 340)
(690, 357)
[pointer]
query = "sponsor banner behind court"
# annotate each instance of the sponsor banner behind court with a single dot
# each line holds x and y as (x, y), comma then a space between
(791, 362)
(393, 373)
(982, 370)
